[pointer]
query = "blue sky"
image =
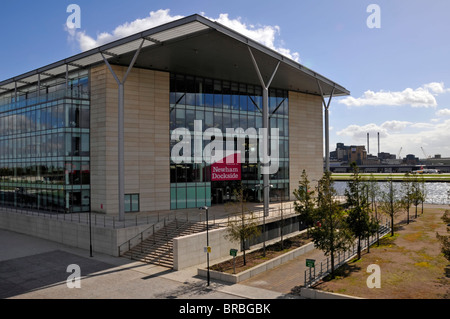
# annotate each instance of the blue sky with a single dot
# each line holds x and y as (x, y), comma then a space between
(398, 75)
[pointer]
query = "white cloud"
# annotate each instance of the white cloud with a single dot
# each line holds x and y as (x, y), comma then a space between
(262, 34)
(423, 96)
(436, 87)
(265, 35)
(395, 126)
(358, 133)
(443, 112)
(154, 19)
(394, 136)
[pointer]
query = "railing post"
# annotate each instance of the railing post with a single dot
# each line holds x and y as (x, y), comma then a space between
(305, 279)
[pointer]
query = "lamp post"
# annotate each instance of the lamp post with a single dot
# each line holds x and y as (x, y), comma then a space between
(207, 241)
(90, 234)
(264, 217)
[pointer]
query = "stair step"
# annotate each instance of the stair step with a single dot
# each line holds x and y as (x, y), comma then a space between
(158, 248)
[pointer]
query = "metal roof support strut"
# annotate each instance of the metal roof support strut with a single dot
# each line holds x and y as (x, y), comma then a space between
(327, 126)
(265, 88)
(121, 158)
(265, 106)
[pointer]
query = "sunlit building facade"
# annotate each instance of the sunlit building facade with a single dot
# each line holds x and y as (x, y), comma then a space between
(72, 141)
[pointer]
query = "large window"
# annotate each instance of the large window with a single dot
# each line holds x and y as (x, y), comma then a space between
(223, 104)
(44, 146)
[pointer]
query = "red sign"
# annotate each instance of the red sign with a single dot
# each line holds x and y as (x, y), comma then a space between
(228, 169)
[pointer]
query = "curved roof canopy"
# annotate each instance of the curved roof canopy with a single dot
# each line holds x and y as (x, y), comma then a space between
(192, 45)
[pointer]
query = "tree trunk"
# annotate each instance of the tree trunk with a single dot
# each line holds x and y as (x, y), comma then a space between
(359, 247)
(392, 225)
(243, 250)
(332, 265)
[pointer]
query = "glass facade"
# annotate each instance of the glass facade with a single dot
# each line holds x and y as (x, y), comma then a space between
(44, 145)
(222, 104)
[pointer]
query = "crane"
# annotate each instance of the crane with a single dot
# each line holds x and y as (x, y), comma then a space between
(426, 156)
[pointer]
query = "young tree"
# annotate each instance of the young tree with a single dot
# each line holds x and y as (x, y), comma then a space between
(390, 203)
(407, 197)
(330, 234)
(423, 191)
(358, 218)
(244, 226)
(445, 240)
(373, 193)
(304, 204)
(416, 193)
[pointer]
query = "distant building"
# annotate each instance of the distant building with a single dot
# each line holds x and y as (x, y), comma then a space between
(411, 159)
(349, 154)
(386, 156)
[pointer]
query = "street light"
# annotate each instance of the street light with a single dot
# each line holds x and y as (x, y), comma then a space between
(207, 240)
(90, 234)
(264, 217)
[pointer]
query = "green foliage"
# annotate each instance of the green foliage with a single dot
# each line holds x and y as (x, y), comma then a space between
(244, 225)
(445, 240)
(304, 204)
(390, 203)
(331, 234)
(359, 220)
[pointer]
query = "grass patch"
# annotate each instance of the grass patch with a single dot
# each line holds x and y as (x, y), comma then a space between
(413, 236)
(423, 264)
(387, 241)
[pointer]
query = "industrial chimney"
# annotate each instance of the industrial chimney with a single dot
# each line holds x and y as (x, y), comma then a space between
(378, 143)
(368, 143)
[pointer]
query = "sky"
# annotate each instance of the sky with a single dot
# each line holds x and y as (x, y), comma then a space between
(393, 58)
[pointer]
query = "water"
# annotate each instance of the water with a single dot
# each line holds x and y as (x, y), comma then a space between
(437, 193)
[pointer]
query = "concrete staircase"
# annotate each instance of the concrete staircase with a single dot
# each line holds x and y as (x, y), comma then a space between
(158, 248)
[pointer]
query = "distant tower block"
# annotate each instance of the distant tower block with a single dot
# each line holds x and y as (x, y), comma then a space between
(368, 151)
(378, 142)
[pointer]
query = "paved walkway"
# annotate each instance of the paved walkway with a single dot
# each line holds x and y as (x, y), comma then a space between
(287, 276)
(35, 268)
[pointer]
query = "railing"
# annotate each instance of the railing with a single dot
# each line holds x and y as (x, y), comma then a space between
(311, 277)
(136, 240)
(104, 220)
(139, 238)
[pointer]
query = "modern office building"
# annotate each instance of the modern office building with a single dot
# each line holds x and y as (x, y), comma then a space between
(93, 132)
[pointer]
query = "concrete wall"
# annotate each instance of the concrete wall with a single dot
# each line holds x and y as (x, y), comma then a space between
(319, 294)
(247, 274)
(146, 124)
(305, 138)
(189, 250)
(104, 240)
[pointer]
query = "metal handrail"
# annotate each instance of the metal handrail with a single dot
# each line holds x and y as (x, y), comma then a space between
(136, 236)
(313, 278)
